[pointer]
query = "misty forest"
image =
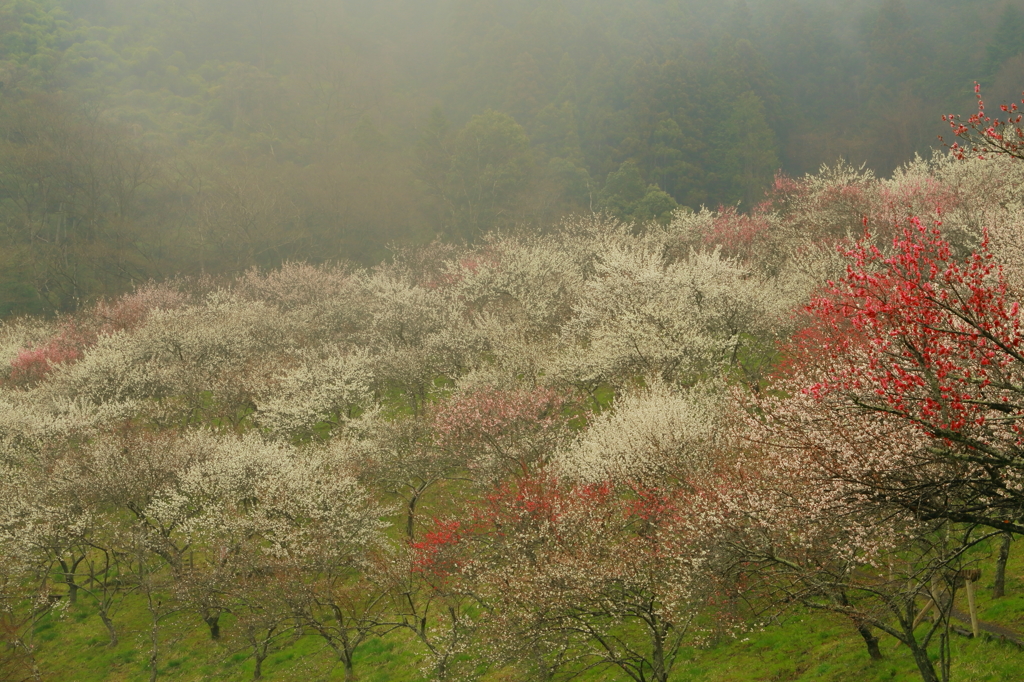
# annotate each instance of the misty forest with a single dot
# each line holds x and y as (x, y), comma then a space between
(533, 341)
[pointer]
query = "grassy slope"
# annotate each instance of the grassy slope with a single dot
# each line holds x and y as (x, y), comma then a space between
(72, 648)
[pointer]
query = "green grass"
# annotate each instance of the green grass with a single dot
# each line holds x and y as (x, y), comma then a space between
(73, 648)
(811, 647)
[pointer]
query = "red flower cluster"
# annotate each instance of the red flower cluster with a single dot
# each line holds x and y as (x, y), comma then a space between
(984, 135)
(931, 337)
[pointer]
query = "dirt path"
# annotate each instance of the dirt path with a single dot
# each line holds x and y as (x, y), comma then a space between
(997, 631)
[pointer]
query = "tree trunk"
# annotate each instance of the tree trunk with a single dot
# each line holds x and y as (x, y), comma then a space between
(871, 641)
(865, 631)
(154, 652)
(924, 664)
(110, 627)
(999, 586)
(212, 621)
(259, 652)
(658, 671)
(410, 528)
(69, 578)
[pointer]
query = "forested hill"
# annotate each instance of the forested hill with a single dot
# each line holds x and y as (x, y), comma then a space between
(147, 138)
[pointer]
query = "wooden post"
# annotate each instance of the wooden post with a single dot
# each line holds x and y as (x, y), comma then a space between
(969, 584)
(924, 613)
(920, 616)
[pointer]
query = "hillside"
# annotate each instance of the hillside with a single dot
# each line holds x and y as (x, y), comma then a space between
(728, 445)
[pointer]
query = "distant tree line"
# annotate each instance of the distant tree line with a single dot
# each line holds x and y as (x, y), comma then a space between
(147, 139)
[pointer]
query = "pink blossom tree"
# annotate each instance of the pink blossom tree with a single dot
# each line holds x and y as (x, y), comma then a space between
(581, 576)
(811, 525)
(499, 433)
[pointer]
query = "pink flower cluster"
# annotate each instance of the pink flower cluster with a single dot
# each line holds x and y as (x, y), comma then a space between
(737, 233)
(73, 338)
(32, 365)
(489, 413)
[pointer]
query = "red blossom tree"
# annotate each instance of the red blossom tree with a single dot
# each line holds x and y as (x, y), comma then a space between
(433, 595)
(984, 136)
(920, 338)
(436, 555)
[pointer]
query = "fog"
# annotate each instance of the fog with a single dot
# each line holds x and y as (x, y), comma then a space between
(144, 139)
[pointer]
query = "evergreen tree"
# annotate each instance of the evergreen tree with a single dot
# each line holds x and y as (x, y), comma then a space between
(751, 157)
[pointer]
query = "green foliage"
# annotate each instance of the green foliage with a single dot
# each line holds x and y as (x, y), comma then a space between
(623, 190)
(1007, 39)
(750, 159)
(627, 197)
(488, 168)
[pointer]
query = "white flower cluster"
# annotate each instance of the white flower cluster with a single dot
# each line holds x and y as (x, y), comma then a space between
(247, 491)
(640, 316)
(652, 436)
(324, 383)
